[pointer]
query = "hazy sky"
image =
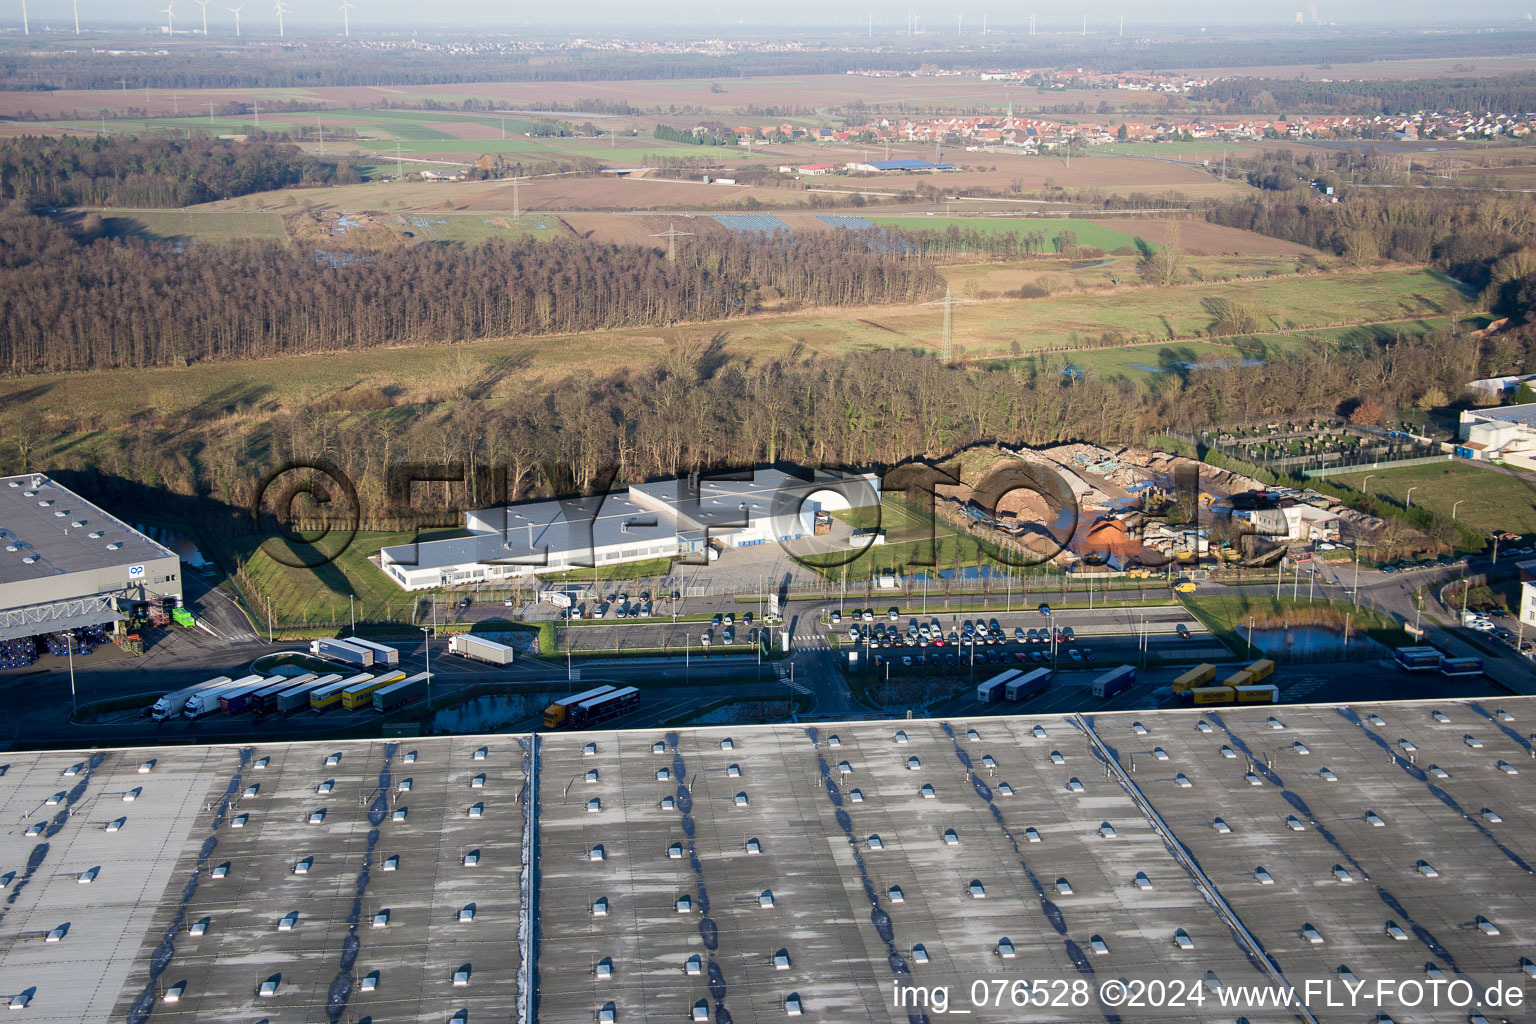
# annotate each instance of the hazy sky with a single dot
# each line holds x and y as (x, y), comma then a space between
(598, 16)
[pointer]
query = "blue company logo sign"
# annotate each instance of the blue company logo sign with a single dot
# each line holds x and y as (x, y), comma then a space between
(135, 572)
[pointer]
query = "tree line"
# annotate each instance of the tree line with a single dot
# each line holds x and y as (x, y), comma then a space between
(1511, 94)
(128, 303)
(700, 406)
(151, 170)
(1464, 234)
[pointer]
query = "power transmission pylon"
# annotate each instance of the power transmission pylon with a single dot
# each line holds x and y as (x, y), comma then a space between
(948, 302)
(671, 235)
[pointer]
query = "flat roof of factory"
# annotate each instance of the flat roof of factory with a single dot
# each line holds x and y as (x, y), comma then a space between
(794, 862)
(61, 532)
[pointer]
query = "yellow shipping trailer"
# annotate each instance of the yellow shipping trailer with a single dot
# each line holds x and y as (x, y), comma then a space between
(1197, 676)
(1238, 678)
(329, 696)
(360, 695)
(1213, 695)
(1268, 693)
(1260, 670)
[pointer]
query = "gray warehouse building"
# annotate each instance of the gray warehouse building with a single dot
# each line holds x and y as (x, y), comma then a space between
(64, 562)
(847, 872)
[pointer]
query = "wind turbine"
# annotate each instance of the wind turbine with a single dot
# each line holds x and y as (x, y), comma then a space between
(280, 9)
(170, 18)
(346, 24)
(236, 12)
(26, 29)
(204, 5)
(76, 4)
(959, 21)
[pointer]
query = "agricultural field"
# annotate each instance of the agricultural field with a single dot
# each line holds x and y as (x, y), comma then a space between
(1057, 274)
(1198, 237)
(1089, 233)
(725, 99)
(1192, 151)
(1491, 500)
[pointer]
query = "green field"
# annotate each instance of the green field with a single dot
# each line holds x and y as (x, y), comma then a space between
(196, 226)
(1088, 233)
(1491, 500)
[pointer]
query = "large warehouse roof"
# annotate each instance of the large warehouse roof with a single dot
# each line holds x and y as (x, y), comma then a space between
(744, 869)
(46, 529)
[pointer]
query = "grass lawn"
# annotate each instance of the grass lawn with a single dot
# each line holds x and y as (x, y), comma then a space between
(196, 226)
(1088, 233)
(1490, 500)
(304, 597)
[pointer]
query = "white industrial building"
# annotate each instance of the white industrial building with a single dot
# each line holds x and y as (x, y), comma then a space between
(664, 519)
(1295, 522)
(1506, 435)
(65, 563)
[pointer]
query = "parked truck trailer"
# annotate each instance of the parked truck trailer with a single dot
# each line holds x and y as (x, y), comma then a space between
(1113, 681)
(600, 709)
(1419, 659)
(238, 698)
(384, 656)
(264, 701)
(387, 698)
(360, 694)
(558, 713)
(206, 702)
(1200, 675)
(1213, 695)
(344, 651)
(173, 704)
(480, 649)
(1260, 670)
(992, 690)
(1027, 685)
(296, 697)
(329, 696)
(1258, 693)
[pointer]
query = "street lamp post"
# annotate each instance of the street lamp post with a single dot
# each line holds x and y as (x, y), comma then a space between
(1366, 484)
(1250, 636)
(426, 646)
(1417, 615)
(1455, 506)
(70, 647)
(1408, 503)
(1356, 592)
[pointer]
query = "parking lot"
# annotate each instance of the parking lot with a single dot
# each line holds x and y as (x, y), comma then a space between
(928, 643)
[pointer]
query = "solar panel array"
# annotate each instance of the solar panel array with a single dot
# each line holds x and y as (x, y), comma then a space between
(746, 223)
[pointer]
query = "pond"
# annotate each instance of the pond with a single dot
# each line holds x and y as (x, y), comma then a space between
(178, 542)
(488, 713)
(1312, 643)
